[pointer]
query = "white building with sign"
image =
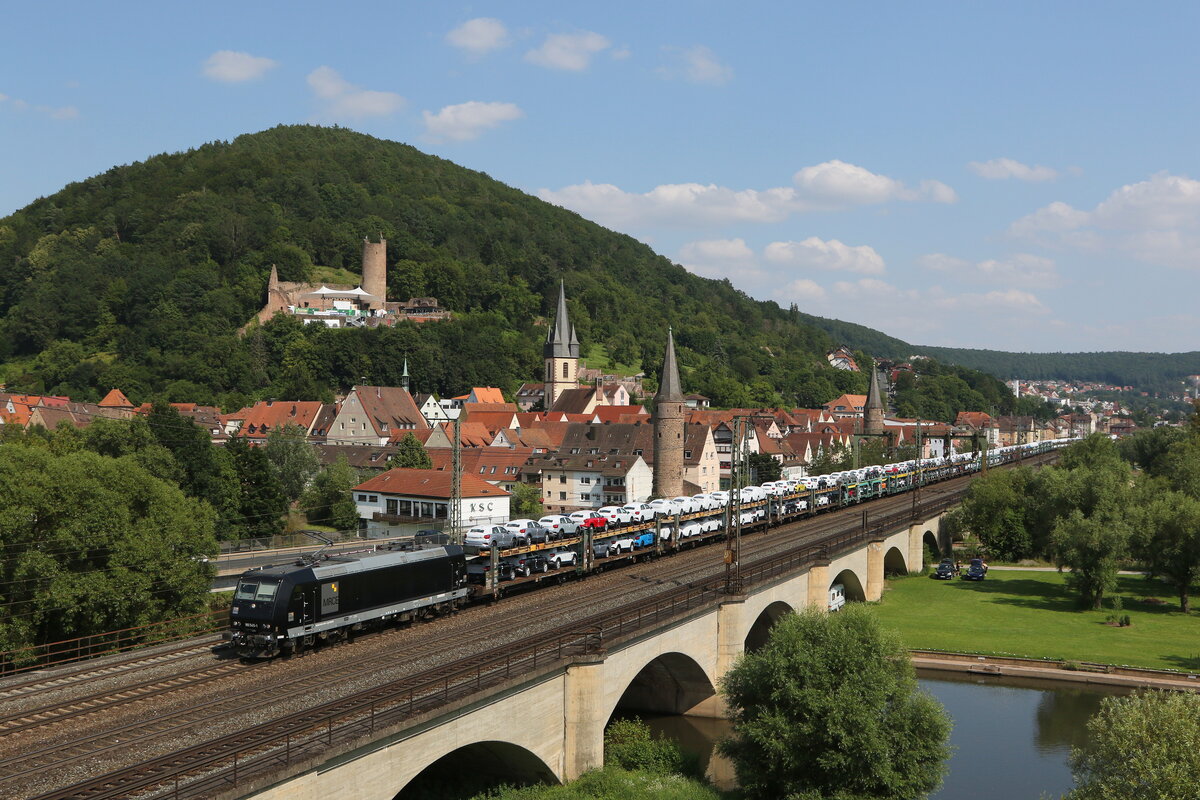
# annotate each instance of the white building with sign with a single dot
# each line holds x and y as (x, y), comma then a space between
(400, 501)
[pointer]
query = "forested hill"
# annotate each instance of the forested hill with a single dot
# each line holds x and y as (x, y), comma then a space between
(1146, 371)
(140, 277)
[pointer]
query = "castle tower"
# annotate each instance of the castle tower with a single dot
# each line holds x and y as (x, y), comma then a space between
(873, 412)
(374, 269)
(668, 428)
(561, 352)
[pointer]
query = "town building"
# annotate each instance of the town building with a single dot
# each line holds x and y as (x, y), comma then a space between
(574, 482)
(400, 501)
(375, 415)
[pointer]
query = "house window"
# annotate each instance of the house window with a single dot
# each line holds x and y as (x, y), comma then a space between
(405, 507)
(574, 451)
(393, 506)
(374, 498)
(493, 470)
(362, 498)
(584, 496)
(687, 453)
(566, 366)
(637, 452)
(585, 481)
(562, 495)
(562, 478)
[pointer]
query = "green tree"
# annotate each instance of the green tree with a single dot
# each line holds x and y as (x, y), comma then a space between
(630, 744)
(994, 510)
(95, 543)
(410, 454)
(526, 501)
(328, 500)
(292, 458)
(764, 467)
(830, 708)
(1093, 548)
(1144, 747)
(260, 502)
(1168, 539)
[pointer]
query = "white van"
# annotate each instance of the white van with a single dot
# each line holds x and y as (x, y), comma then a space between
(837, 597)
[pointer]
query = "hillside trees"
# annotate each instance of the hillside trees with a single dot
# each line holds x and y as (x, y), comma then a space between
(141, 277)
(94, 543)
(327, 501)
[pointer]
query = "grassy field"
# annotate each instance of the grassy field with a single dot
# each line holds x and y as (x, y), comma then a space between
(597, 358)
(1028, 613)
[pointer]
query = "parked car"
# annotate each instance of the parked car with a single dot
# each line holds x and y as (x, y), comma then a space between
(616, 515)
(477, 573)
(975, 571)
(644, 539)
(558, 526)
(487, 536)
(686, 504)
(528, 563)
(945, 571)
(563, 558)
(532, 532)
(621, 544)
(640, 512)
(590, 520)
(722, 498)
(664, 508)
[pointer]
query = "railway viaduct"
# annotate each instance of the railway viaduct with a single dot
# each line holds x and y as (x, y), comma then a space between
(544, 719)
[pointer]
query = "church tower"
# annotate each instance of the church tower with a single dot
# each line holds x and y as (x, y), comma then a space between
(561, 352)
(873, 412)
(668, 428)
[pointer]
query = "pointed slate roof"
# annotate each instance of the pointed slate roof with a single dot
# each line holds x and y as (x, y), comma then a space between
(873, 398)
(668, 385)
(561, 341)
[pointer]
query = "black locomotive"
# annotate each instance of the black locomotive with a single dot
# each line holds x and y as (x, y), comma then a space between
(279, 609)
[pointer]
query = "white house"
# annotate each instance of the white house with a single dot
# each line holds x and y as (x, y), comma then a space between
(574, 482)
(400, 500)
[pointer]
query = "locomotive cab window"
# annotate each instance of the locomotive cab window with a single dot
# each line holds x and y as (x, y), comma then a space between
(260, 591)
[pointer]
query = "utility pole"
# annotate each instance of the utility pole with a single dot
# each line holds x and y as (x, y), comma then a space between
(733, 537)
(455, 517)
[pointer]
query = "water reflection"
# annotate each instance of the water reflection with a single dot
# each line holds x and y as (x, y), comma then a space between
(1011, 736)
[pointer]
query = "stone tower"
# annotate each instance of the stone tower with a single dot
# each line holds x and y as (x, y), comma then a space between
(374, 269)
(561, 352)
(873, 411)
(668, 428)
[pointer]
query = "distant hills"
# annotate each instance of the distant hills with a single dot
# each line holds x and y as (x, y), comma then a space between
(140, 278)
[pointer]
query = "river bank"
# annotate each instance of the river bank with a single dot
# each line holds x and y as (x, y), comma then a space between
(1033, 614)
(930, 662)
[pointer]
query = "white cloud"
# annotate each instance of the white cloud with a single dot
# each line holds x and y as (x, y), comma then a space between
(341, 99)
(1021, 269)
(54, 112)
(696, 64)
(620, 54)
(1004, 168)
(231, 66)
(801, 290)
(814, 253)
(468, 120)
(937, 192)
(479, 36)
(568, 51)
(1156, 220)
(832, 185)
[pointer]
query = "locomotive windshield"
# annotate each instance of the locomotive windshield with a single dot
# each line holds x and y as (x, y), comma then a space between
(261, 591)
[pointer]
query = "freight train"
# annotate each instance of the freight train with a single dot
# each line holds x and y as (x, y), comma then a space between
(280, 609)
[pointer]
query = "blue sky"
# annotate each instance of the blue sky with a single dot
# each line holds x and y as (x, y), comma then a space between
(1017, 176)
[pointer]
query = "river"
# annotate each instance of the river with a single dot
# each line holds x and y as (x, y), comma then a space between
(1011, 736)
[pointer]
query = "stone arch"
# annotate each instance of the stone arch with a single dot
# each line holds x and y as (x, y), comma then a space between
(930, 540)
(761, 629)
(854, 587)
(491, 763)
(893, 562)
(672, 683)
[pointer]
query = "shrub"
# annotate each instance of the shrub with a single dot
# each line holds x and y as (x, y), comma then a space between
(630, 744)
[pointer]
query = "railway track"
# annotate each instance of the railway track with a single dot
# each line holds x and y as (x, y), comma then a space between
(689, 571)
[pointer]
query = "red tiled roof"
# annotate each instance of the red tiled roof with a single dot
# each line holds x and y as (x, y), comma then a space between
(488, 394)
(265, 415)
(428, 483)
(115, 399)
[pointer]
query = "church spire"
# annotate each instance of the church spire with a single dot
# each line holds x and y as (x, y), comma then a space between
(561, 341)
(873, 399)
(404, 375)
(668, 386)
